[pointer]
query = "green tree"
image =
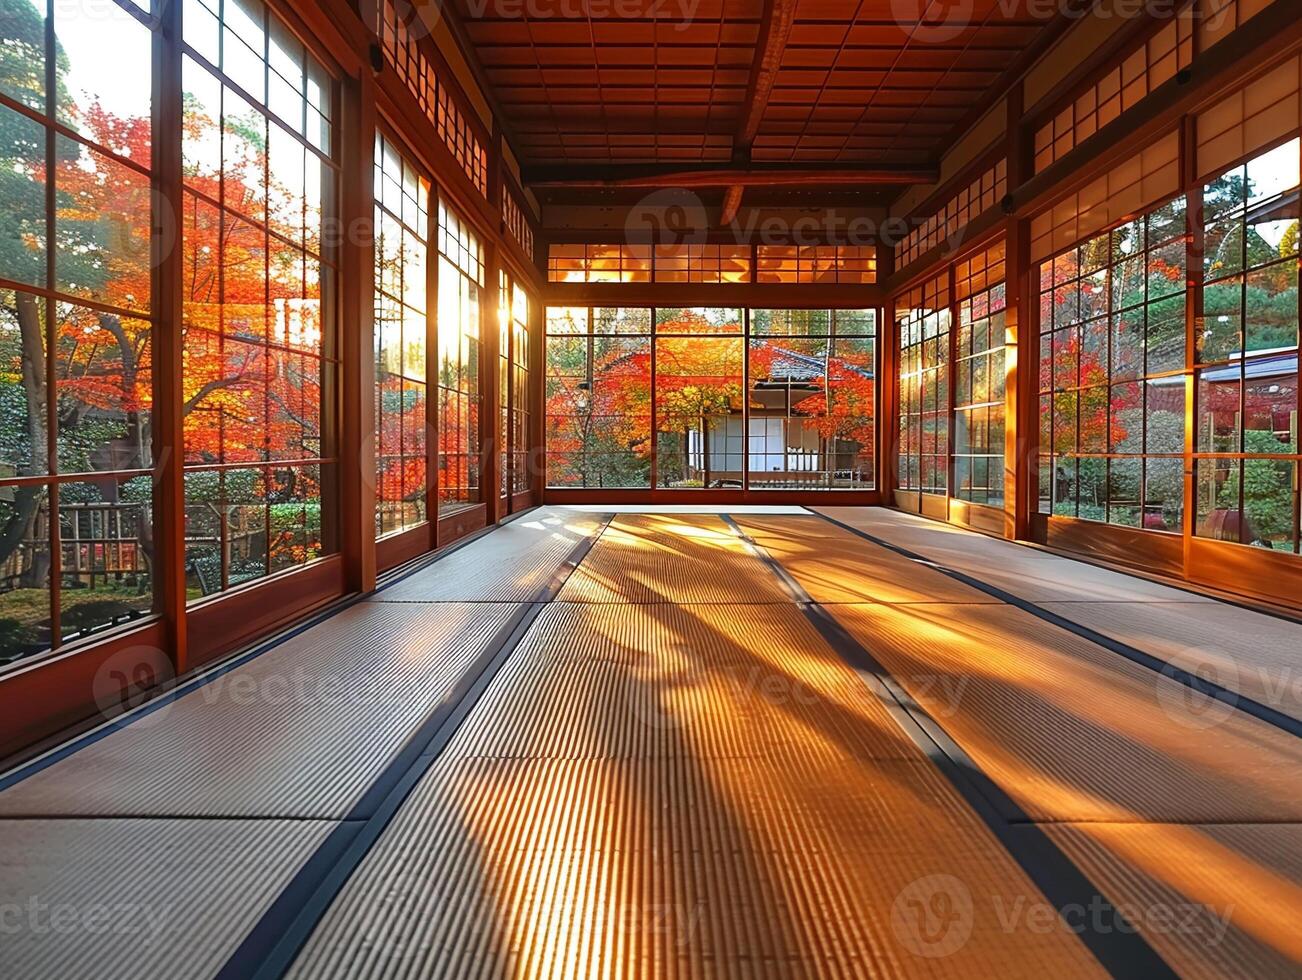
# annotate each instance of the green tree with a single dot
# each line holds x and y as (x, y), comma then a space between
(1267, 492)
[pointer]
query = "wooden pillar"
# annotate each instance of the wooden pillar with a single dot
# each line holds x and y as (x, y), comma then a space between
(490, 476)
(889, 400)
(168, 291)
(357, 473)
(1022, 351)
(1193, 305)
(888, 368)
(490, 467)
(536, 459)
(950, 272)
(433, 394)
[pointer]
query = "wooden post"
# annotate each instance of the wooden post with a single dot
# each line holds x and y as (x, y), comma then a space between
(888, 359)
(950, 273)
(489, 368)
(1193, 305)
(168, 294)
(433, 393)
(1022, 351)
(536, 459)
(356, 478)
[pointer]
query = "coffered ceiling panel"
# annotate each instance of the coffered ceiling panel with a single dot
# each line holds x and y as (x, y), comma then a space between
(877, 82)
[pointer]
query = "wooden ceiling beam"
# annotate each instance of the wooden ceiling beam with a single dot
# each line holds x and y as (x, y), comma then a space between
(775, 30)
(731, 204)
(779, 16)
(726, 175)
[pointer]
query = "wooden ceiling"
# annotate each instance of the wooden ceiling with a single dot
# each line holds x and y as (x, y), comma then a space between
(589, 85)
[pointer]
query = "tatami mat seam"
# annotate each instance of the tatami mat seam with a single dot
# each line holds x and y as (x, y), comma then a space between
(269, 949)
(1236, 700)
(1059, 878)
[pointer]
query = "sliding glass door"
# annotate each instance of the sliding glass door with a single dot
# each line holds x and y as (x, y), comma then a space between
(711, 398)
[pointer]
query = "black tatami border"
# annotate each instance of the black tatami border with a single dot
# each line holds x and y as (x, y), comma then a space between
(1262, 712)
(270, 948)
(1118, 947)
(188, 684)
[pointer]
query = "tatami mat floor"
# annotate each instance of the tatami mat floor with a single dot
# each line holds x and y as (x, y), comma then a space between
(755, 745)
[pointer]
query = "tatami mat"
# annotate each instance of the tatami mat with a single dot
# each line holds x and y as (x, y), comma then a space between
(671, 558)
(1216, 901)
(1074, 732)
(1247, 652)
(1046, 580)
(935, 538)
(829, 563)
(1025, 572)
(576, 854)
(299, 731)
(510, 565)
(140, 899)
(1254, 654)
(673, 774)
(595, 680)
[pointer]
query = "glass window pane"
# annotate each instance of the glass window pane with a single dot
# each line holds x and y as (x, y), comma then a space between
(105, 541)
(244, 138)
(1091, 489)
(105, 390)
(201, 144)
(1165, 339)
(201, 29)
(621, 321)
(22, 184)
(1163, 494)
(792, 323)
(293, 516)
(401, 331)
(1270, 304)
(1125, 419)
(979, 390)
(1268, 503)
(22, 58)
(25, 559)
(257, 331)
(701, 320)
(1164, 412)
(203, 533)
(113, 107)
(1270, 406)
(699, 411)
(598, 404)
(24, 432)
(1128, 344)
(103, 228)
(1123, 491)
(460, 272)
(1219, 410)
(1217, 497)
